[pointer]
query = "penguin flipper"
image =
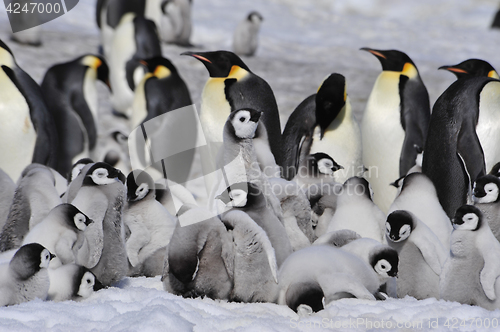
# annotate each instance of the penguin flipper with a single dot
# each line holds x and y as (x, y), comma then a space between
(470, 150)
(430, 246)
(490, 250)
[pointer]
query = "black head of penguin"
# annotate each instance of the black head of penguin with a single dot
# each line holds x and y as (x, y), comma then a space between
(71, 212)
(77, 167)
(330, 100)
(472, 68)
(139, 185)
(154, 65)
(251, 116)
(314, 159)
(481, 188)
(77, 280)
(391, 60)
(253, 14)
(399, 225)
(468, 213)
(388, 254)
(254, 196)
(27, 260)
(218, 63)
(101, 174)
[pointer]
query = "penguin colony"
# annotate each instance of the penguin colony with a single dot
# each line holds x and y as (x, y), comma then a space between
(405, 203)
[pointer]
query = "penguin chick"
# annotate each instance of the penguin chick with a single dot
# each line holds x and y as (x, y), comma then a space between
(356, 211)
(486, 198)
(71, 282)
(34, 197)
(200, 258)
(25, 277)
(473, 262)
(255, 268)
(316, 272)
(316, 167)
(417, 192)
(151, 226)
(421, 255)
(246, 35)
(337, 238)
(58, 232)
(472, 68)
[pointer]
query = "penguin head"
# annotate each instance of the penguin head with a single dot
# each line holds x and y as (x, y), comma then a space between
(399, 226)
(472, 68)
(330, 99)
(6, 56)
(97, 63)
(102, 174)
(244, 122)
(467, 217)
(255, 17)
(159, 66)
(322, 163)
(77, 168)
(357, 186)
(394, 60)
(486, 189)
(74, 217)
(29, 259)
(135, 70)
(139, 185)
(218, 63)
(241, 194)
(385, 262)
(85, 283)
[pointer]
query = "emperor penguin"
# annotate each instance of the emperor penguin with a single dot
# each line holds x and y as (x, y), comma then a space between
(184, 36)
(232, 86)
(472, 68)
(418, 195)
(249, 197)
(167, 15)
(25, 277)
(27, 129)
(316, 168)
(320, 274)
(101, 197)
(200, 257)
(6, 196)
(71, 95)
(135, 37)
(71, 282)
(324, 123)
(246, 35)
(255, 274)
(421, 255)
(23, 19)
(461, 141)
(473, 262)
(486, 198)
(150, 224)
(395, 119)
(59, 232)
(34, 198)
(356, 211)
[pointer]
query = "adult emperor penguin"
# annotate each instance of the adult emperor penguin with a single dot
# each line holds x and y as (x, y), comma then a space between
(135, 37)
(150, 224)
(25, 277)
(461, 141)
(34, 198)
(395, 119)
(71, 282)
(416, 192)
(102, 197)
(473, 262)
(232, 86)
(324, 123)
(323, 272)
(472, 68)
(356, 211)
(71, 95)
(59, 232)
(27, 129)
(200, 258)
(421, 255)
(486, 198)
(246, 35)
(249, 197)
(255, 267)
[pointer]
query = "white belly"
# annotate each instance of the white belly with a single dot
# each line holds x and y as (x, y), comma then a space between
(17, 133)
(382, 137)
(488, 126)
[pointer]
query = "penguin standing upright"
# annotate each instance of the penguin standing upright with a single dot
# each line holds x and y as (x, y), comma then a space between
(472, 68)
(395, 119)
(71, 95)
(454, 156)
(27, 129)
(232, 86)
(246, 35)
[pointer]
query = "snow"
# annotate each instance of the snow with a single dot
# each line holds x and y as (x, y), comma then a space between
(301, 43)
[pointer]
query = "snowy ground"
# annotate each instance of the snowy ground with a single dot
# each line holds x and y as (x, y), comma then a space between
(301, 43)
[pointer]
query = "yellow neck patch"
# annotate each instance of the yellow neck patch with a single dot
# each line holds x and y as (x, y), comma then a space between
(237, 72)
(409, 70)
(162, 72)
(493, 74)
(91, 61)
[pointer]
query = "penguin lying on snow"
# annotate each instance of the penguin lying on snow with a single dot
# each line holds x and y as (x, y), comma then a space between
(25, 277)
(71, 282)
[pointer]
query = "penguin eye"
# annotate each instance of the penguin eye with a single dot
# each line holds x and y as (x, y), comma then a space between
(88, 281)
(242, 119)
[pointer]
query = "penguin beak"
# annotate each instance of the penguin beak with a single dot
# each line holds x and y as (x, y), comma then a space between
(453, 69)
(88, 221)
(256, 116)
(52, 256)
(197, 56)
(98, 285)
(378, 54)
